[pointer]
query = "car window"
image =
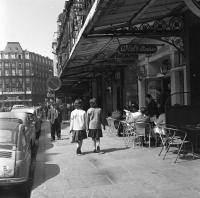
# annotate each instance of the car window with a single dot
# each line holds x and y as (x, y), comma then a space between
(7, 136)
(12, 120)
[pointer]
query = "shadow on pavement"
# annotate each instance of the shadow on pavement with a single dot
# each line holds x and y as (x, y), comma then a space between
(43, 171)
(106, 150)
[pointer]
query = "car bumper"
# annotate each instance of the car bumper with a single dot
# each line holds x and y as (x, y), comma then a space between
(13, 181)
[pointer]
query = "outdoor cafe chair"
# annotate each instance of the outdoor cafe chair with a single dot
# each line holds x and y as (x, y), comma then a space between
(161, 131)
(128, 134)
(141, 130)
(177, 138)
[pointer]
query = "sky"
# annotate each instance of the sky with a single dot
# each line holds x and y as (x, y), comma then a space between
(32, 23)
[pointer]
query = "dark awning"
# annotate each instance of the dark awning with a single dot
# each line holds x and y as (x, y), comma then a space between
(98, 43)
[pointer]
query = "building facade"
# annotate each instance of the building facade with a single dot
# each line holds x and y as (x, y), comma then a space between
(23, 76)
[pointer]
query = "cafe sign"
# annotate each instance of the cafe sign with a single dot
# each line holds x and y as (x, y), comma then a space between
(138, 48)
(194, 6)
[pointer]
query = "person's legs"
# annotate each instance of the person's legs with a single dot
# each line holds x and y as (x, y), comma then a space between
(94, 141)
(79, 145)
(58, 130)
(98, 144)
(52, 131)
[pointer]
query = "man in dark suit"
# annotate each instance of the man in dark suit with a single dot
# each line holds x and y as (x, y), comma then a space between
(58, 121)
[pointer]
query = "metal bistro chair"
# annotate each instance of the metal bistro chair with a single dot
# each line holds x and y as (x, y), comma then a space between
(142, 129)
(176, 137)
(162, 131)
(128, 133)
(113, 130)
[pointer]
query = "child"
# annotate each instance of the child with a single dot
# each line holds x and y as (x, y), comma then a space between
(78, 125)
(94, 121)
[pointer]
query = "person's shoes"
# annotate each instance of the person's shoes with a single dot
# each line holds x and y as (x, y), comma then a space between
(98, 149)
(78, 151)
(52, 139)
(95, 151)
(59, 138)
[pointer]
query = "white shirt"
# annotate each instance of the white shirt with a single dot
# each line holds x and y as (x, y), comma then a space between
(132, 117)
(78, 120)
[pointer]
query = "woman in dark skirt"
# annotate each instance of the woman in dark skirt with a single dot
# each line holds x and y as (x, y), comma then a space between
(94, 121)
(78, 125)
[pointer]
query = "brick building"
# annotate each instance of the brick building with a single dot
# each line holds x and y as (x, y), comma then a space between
(23, 76)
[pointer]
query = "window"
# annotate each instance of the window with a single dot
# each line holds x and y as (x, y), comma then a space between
(28, 72)
(19, 65)
(20, 56)
(27, 65)
(27, 55)
(0, 72)
(12, 56)
(13, 72)
(20, 72)
(6, 56)
(0, 64)
(7, 65)
(28, 80)
(6, 72)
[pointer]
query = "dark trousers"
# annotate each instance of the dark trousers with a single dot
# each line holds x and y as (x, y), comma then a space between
(58, 128)
(53, 130)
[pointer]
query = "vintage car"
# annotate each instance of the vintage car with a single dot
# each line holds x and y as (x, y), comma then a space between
(25, 120)
(34, 117)
(15, 153)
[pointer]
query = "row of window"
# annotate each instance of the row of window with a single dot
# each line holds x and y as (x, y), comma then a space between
(37, 68)
(6, 64)
(26, 56)
(15, 72)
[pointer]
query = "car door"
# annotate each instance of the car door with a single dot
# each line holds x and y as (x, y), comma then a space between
(26, 152)
(30, 129)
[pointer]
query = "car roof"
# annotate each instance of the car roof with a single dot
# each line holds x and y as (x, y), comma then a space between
(19, 115)
(24, 110)
(8, 125)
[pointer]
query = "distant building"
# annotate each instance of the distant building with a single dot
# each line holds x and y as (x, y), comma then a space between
(23, 76)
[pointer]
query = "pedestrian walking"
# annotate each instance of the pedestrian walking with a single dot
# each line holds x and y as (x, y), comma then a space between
(78, 125)
(94, 121)
(58, 122)
(52, 116)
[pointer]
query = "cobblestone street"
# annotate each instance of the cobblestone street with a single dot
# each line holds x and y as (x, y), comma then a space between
(119, 172)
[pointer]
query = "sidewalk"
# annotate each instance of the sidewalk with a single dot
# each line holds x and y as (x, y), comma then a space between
(119, 172)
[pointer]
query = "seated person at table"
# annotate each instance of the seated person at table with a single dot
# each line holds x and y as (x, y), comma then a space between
(160, 121)
(138, 116)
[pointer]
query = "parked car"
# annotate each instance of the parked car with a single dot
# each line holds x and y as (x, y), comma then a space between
(23, 118)
(34, 117)
(15, 154)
